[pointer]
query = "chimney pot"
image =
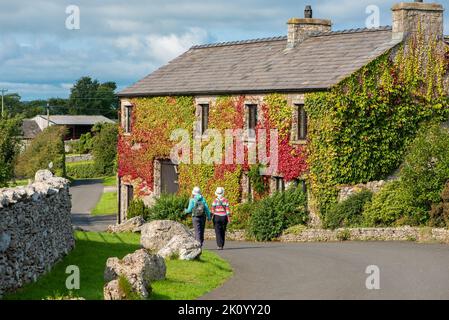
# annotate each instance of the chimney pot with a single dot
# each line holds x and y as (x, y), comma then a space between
(407, 16)
(299, 29)
(308, 13)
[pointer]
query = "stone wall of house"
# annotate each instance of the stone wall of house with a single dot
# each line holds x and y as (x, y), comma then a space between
(346, 191)
(35, 229)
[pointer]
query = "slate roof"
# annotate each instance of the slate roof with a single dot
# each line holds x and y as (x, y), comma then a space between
(30, 129)
(77, 120)
(264, 65)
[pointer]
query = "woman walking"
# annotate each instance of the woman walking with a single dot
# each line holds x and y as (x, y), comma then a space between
(221, 216)
(199, 210)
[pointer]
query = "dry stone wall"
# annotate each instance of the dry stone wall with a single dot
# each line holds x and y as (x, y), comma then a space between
(35, 229)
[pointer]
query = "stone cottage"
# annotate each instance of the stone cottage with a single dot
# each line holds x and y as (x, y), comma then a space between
(311, 58)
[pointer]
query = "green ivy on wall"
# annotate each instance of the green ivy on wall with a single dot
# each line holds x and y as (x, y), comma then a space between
(360, 129)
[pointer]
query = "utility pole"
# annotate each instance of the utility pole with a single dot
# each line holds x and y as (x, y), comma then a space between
(3, 103)
(48, 114)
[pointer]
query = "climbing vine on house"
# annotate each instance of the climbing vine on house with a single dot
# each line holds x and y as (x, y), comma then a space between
(360, 129)
(153, 120)
(277, 114)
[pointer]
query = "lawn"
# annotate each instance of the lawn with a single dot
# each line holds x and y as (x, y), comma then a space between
(108, 204)
(185, 279)
(110, 181)
(18, 183)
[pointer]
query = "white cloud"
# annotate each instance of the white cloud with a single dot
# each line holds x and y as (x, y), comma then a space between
(165, 48)
(123, 41)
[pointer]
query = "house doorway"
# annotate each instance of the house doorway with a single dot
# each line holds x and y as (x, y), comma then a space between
(169, 177)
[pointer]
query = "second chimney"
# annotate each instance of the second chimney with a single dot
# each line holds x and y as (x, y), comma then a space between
(408, 16)
(299, 29)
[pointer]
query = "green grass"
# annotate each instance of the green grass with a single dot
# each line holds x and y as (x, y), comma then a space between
(90, 255)
(18, 183)
(185, 279)
(107, 205)
(110, 181)
(79, 163)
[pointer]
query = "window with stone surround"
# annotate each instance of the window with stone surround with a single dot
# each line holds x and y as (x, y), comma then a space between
(252, 120)
(301, 183)
(204, 117)
(129, 194)
(127, 120)
(301, 116)
(279, 184)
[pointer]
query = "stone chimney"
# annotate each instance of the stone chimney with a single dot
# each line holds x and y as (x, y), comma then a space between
(299, 29)
(407, 16)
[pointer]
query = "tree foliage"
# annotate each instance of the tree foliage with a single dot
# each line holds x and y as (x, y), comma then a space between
(104, 147)
(90, 97)
(9, 147)
(45, 151)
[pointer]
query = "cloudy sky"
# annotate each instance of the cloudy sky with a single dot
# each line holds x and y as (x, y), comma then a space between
(124, 40)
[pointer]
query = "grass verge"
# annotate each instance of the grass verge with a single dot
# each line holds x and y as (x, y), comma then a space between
(107, 204)
(185, 279)
(110, 181)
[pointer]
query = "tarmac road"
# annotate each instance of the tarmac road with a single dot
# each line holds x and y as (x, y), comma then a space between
(286, 271)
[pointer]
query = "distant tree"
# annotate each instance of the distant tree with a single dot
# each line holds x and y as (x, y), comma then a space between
(46, 148)
(104, 147)
(12, 104)
(90, 97)
(30, 109)
(9, 147)
(58, 106)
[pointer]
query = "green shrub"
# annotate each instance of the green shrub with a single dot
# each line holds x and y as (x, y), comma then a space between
(83, 145)
(426, 166)
(391, 203)
(137, 208)
(274, 214)
(169, 207)
(296, 230)
(82, 170)
(104, 147)
(439, 214)
(241, 215)
(344, 235)
(347, 213)
(46, 148)
(9, 147)
(257, 180)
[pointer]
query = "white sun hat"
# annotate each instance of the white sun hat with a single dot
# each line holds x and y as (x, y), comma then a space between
(220, 192)
(196, 191)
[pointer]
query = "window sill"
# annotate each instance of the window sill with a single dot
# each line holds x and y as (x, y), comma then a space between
(299, 142)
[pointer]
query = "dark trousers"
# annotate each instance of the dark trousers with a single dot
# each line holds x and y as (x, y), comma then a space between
(199, 224)
(220, 224)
